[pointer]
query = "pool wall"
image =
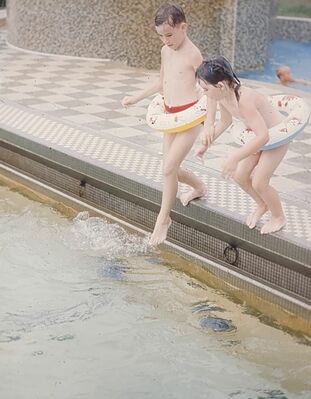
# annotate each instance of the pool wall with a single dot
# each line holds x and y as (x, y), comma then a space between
(298, 29)
(124, 31)
(267, 265)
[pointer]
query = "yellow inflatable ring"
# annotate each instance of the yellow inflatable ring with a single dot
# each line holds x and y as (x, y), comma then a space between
(297, 117)
(159, 119)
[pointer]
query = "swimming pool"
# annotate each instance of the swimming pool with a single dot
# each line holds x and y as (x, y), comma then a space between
(87, 311)
(285, 52)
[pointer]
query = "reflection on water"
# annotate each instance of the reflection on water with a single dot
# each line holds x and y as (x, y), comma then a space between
(86, 311)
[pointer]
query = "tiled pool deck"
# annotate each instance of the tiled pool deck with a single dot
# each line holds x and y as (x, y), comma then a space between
(73, 106)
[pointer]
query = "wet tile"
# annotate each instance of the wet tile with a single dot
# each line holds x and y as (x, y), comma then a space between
(102, 125)
(91, 109)
(31, 101)
(303, 177)
(100, 100)
(110, 115)
(82, 118)
(145, 139)
(286, 168)
(56, 98)
(287, 185)
(71, 103)
(46, 107)
(300, 147)
(304, 161)
(124, 132)
(61, 113)
(80, 94)
(129, 121)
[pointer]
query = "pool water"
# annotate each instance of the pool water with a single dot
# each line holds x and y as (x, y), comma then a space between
(87, 312)
(285, 52)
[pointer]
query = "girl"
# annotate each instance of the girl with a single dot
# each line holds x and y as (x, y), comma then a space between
(250, 167)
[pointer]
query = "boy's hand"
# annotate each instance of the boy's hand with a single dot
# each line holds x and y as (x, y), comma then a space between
(128, 100)
(229, 167)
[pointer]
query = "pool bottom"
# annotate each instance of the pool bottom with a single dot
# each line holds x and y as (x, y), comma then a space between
(280, 311)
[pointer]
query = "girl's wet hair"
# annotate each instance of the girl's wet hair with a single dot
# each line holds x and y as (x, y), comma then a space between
(218, 69)
(171, 14)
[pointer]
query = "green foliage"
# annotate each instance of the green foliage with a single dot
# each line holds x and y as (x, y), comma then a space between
(294, 8)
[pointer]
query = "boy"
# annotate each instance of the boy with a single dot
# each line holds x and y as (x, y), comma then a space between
(179, 60)
(285, 76)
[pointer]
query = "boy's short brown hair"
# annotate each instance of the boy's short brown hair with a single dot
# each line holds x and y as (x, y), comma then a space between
(279, 70)
(171, 14)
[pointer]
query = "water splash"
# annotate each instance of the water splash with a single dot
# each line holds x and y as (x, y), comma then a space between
(98, 237)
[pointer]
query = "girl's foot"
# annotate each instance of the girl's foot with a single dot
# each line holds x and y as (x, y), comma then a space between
(253, 218)
(160, 232)
(275, 224)
(190, 195)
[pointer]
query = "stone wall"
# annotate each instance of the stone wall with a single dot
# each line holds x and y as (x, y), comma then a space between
(123, 30)
(298, 29)
(253, 33)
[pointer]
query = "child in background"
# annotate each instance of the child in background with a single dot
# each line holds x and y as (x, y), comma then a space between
(285, 77)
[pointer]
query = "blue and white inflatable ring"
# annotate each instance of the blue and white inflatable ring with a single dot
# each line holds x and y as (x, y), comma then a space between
(297, 116)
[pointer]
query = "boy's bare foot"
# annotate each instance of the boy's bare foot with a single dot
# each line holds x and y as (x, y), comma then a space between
(253, 218)
(159, 232)
(190, 195)
(275, 224)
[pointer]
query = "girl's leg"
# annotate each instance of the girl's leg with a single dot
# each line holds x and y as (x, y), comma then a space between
(268, 162)
(175, 149)
(243, 177)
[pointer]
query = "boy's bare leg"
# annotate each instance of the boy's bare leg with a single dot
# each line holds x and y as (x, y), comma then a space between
(268, 162)
(198, 187)
(175, 148)
(243, 177)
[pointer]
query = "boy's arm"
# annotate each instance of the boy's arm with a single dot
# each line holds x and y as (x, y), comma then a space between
(157, 87)
(303, 81)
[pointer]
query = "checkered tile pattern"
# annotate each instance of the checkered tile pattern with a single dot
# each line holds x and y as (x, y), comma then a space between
(136, 163)
(75, 104)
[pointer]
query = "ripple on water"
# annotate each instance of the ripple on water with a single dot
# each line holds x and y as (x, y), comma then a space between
(206, 307)
(258, 394)
(113, 269)
(217, 324)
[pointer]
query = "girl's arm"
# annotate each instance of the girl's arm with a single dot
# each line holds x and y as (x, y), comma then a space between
(255, 122)
(224, 121)
(212, 130)
(209, 123)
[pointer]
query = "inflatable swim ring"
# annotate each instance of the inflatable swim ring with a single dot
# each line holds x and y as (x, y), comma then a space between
(297, 118)
(176, 122)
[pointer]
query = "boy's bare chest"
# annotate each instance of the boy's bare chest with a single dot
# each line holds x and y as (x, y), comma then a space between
(177, 66)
